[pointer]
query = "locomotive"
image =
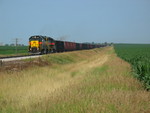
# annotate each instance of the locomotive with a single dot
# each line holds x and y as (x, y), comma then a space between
(44, 45)
(41, 45)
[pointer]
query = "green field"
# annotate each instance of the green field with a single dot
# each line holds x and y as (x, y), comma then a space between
(9, 50)
(139, 56)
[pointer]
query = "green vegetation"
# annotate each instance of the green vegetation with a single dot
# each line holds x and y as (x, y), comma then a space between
(60, 58)
(9, 50)
(89, 81)
(139, 56)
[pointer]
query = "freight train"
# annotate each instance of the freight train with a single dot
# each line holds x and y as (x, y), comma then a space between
(44, 45)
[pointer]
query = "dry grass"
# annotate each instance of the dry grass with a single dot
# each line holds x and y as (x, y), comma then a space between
(90, 81)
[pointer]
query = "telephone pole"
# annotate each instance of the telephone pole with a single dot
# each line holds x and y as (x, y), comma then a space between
(16, 44)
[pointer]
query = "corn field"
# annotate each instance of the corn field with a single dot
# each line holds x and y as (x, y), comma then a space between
(138, 55)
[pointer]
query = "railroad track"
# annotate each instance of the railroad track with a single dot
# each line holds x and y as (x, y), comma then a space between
(14, 56)
(19, 57)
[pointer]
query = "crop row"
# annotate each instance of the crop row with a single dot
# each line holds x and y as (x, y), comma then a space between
(138, 55)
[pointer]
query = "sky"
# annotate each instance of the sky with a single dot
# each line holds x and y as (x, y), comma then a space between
(117, 21)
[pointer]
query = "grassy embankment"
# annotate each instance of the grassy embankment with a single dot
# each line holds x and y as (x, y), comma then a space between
(76, 82)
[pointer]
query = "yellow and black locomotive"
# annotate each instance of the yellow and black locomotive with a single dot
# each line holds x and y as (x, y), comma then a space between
(41, 45)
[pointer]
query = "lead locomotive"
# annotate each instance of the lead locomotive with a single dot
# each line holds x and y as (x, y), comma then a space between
(41, 45)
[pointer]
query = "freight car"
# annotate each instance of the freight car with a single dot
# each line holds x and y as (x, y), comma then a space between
(43, 45)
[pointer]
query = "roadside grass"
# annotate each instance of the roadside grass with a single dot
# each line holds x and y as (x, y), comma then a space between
(105, 89)
(19, 90)
(89, 81)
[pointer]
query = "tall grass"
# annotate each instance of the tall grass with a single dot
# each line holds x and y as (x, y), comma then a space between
(103, 88)
(89, 82)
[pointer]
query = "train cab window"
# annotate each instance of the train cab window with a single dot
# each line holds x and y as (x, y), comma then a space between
(35, 38)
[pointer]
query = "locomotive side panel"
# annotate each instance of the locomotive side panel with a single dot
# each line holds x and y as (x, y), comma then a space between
(50, 45)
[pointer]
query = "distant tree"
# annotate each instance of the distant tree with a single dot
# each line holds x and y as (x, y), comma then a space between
(12, 44)
(6, 44)
(19, 44)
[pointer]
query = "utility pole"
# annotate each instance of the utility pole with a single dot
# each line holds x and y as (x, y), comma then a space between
(16, 43)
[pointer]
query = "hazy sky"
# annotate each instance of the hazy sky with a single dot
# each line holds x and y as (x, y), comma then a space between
(118, 21)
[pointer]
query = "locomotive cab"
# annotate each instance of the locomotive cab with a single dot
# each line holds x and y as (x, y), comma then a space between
(50, 44)
(36, 45)
(41, 45)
